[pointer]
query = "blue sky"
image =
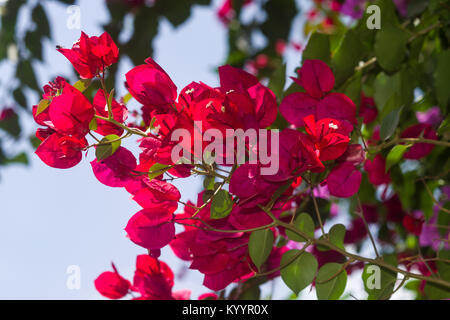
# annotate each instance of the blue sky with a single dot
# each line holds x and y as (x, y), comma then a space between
(51, 219)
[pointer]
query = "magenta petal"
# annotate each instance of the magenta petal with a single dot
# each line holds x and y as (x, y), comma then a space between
(297, 106)
(316, 78)
(419, 150)
(344, 180)
(116, 170)
(150, 85)
(112, 285)
(354, 154)
(265, 104)
(232, 78)
(61, 152)
(71, 112)
(142, 230)
(243, 181)
(337, 106)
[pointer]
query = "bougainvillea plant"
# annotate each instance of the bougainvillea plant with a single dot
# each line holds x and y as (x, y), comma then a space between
(339, 151)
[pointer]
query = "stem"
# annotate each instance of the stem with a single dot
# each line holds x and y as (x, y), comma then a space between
(286, 264)
(408, 140)
(377, 262)
(316, 207)
(121, 125)
(210, 228)
(367, 227)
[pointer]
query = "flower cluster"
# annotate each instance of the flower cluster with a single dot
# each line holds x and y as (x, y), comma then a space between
(319, 156)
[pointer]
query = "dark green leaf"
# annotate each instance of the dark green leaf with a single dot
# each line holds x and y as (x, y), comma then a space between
(304, 223)
(442, 79)
(395, 155)
(108, 145)
(300, 272)
(390, 47)
(157, 169)
(331, 281)
(221, 205)
(260, 245)
(318, 47)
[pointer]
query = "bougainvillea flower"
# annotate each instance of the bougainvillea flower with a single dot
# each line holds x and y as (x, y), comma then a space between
(53, 88)
(226, 11)
(154, 194)
(413, 224)
(296, 106)
(353, 8)
(62, 152)
(263, 107)
(337, 106)
(153, 279)
(394, 209)
(419, 150)
(344, 180)
(112, 285)
(221, 257)
(328, 135)
(316, 78)
(91, 55)
(146, 231)
(297, 155)
(150, 85)
(430, 236)
(356, 232)
(376, 170)
(354, 154)
(71, 112)
(119, 113)
(367, 109)
(432, 116)
(116, 170)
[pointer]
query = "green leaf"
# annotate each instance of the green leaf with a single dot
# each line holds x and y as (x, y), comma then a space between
(108, 145)
(379, 282)
(260, 245)
(300, 272)
(442, 78)
(390, 47)
(395, 155)
(329, 285)
(33, 43)
(337, 234)
(347, 56)
(304, 223)
(318, 47)
(20, 98)
(26, 75)
(390, 123)
(208, 183)
(42, 106)
(126, 98)
(21, 158)
(157, 169)
(426, 201)
(40, 18)
(278, 80)
(82, 84)
(221, 205)
(93, 125)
